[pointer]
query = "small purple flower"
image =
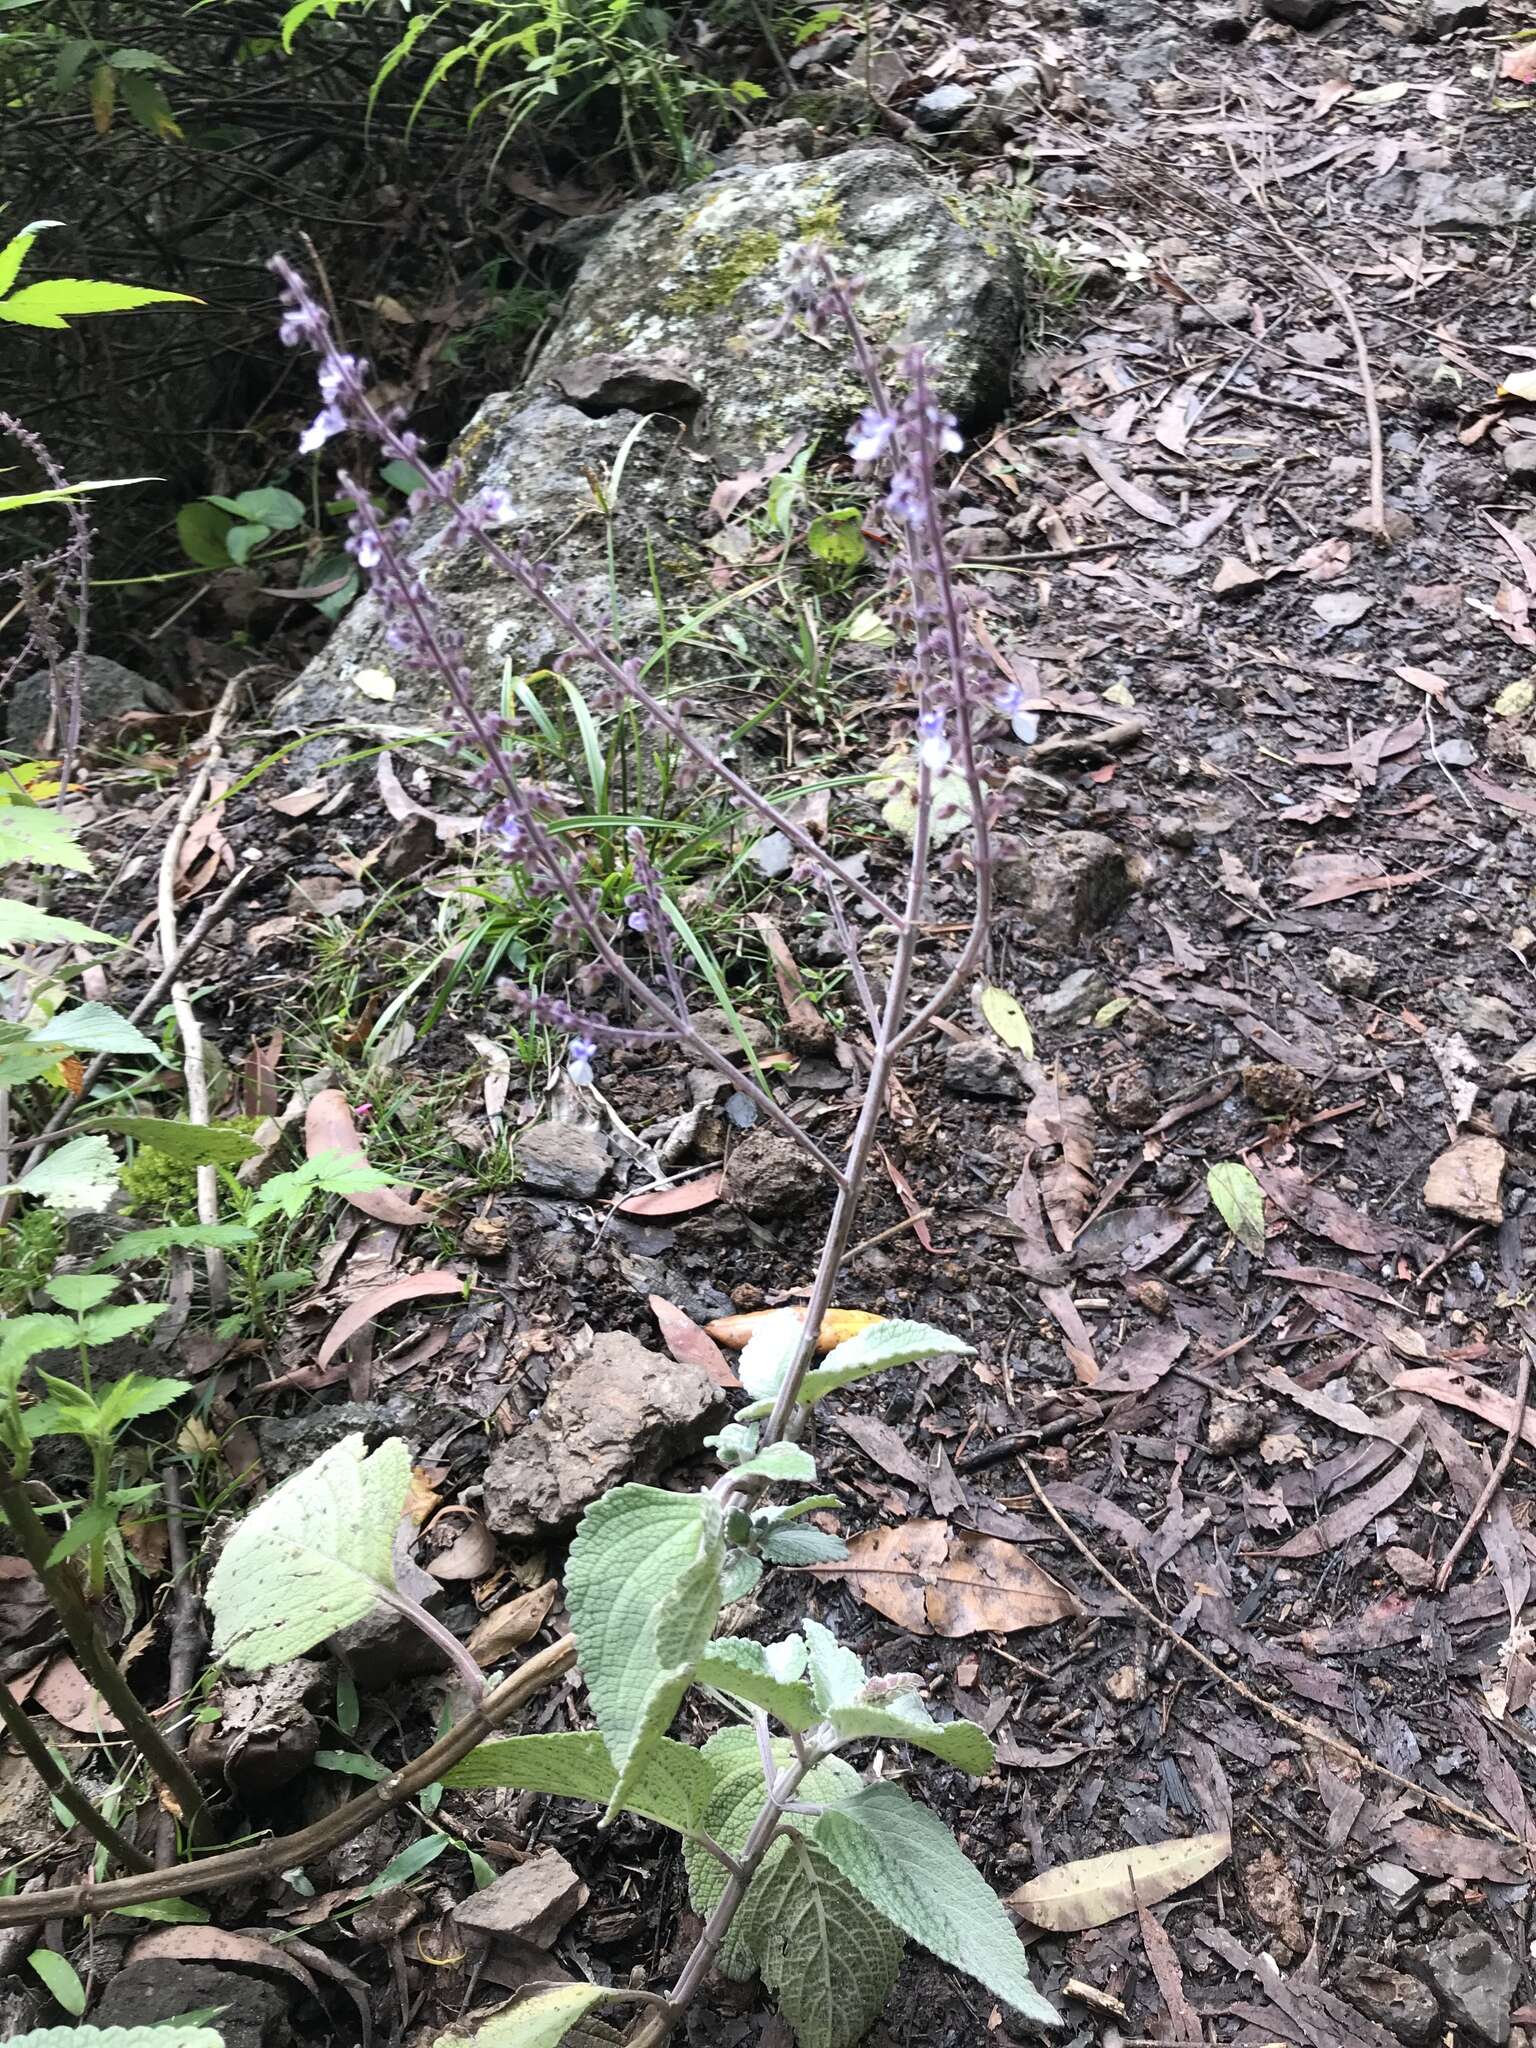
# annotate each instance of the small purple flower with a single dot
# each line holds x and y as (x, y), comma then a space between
(495, 508)
(871, 434)
(338, 373)
(364, 549)
(295, 327)
(328, 422)
(905, 501)
(933, 742)
(579, 1057)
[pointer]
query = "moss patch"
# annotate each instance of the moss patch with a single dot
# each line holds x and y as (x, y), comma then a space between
(727, 267)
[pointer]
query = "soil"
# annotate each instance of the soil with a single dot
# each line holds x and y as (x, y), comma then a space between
(1303, 737)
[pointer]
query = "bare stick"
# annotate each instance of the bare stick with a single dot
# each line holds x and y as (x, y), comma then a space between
(186, 1640)
(290, 1852)
(37, 1753)
(1335, 289)
(1306, 1729)
(193, 1060)
(1484, 1500)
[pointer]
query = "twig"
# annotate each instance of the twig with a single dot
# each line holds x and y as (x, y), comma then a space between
(1496, 1477)
(1335, 288)
(1306, 1729)
(37, 1753)
(290, 1852)
(193, 1061)
(891, 1230)
(1444, 1258)
(92, 1654)
(186, 1640)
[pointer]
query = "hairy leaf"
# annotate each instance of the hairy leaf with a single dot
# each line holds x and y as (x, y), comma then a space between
(165, 2034)
(40, 838)
(311, 1558)
(672, 1788)
(542, 2021)
(739, 1793)
(904, 1860)
(826, 1955)
(837, 1675)
(782, 1545)
(93, 1027)
(191, 1144)
(22, 924)
(643, 1590)
(903, 1718)
(767, 1354)
(783, 1462)
(877, 1349)
(741, 1670)
(82, 1175)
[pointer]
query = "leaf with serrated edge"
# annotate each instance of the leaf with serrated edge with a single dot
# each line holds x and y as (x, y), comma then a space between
(727, 1819)
(93, 1027)
(40, 838)
(766, 1358)
(783, 1462)
(1240, 1202)
(740, 1670)
(642, 1587)
(904, 1719)
(789, 1545)
(23, 924)
(826, 1955)
(82, 1175)
(311, 1558)
(877, 1349)
(1098, 1889)
(672, 1788)
(163, 2035)
(836, 1673)
(542, 2021)
(907, 1864)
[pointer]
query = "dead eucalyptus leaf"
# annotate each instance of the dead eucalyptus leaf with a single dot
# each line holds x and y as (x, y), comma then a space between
(937, 1581)
(375, 1300)
(328, 1127)
(508, 1627)
(1098, 1889)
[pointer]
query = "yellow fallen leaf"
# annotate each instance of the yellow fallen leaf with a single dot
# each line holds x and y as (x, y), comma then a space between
(1007, 1020)
(1521, 385)
(1098, 1889)
(837, 1326)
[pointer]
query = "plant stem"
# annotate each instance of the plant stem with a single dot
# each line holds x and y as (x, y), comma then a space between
(37, 1753)
(657, 2025)
(92, 1654)
(445, 1639)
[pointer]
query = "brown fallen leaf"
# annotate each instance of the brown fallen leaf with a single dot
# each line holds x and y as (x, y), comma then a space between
(689, 1344)
(692, 1194)
(1324, 1213)
(64, 1692)
(402, 807)
(415, 1286)
(298, 803)
(1519, 64)
(328, 1127)
(837, 1326)
(510, 1626)
(1235, 576)
(934, 1580)
(229, 1947)
(1465, 1180)
(468, 1548)
(1347, 1520)
(1458, 1390)
(1360, 884)
(1440, 1852)
(1130, 494)
(1183, 2021)
(1098, 1889)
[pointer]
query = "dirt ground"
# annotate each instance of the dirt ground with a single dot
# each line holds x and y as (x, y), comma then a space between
(1257, 539)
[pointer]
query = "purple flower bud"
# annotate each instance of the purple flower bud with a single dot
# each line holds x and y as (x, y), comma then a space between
(933, 743)
(495, 508)
(579, 1057)
(328, 422)
(871, 434)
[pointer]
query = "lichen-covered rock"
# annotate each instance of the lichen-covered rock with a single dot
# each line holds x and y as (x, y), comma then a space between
(768, 1176)
(699, 273)
(618, 1412)
(1068, 885)
(108, 692)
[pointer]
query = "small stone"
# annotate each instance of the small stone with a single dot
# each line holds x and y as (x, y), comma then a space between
(386, 1645)
(1473, 1978)
(1415, 1570)
(615, 383)
(1081, 996)
(1224, 23)
(1352, 974)
(485, 1237)
(1276, 1089)
(252, 2009)
(616, 1412)
(1068, 885)
(1478, 1016)
(264, 1735)
(977, 1067)
(715, 1029)
(945, 107)
(1520, 460)
(1234, 1424)
(1390, 1997)
(531, 1903)
(1172, 828)
(1301, 13)
(697, 1137)
(108, 693)
(1132, 1100)
(562, 1159)
(386, 1918)
(1400, 1889)
(1445, 17)
(1020, 81)
(1152, 1295)
(1125, 1685)
(1465, 1180)
(768, 1176)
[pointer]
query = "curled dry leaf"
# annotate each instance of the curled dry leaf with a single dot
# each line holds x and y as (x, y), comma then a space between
(1098, 1889)
(328, 1127)
(689, 1344)
(939, 1581)
(509, 1626)
(468, 1548)
(376, 1300)
(230, 1948)
(692, 1194)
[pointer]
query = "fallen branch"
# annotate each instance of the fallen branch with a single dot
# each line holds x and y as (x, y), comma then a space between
(1307, 1730)
(289, 1852)
(1484, 1500)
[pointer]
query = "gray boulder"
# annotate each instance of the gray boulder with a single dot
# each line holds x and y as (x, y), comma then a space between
(108, 692)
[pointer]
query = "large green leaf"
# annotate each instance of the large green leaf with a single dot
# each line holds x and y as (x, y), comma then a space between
(191, 1144)
(166, 2034)
(92, 1027)
(907, 1864)
(642, 1588)
(902, 1717)
(826, 1955)
(55, 301)
(742, 1670)
(82, 1175)
(313, 1557)
(23, 924)
(542, 2021)
(42, 839)
(876, 1349)
(734, 1805)
(673, 1787)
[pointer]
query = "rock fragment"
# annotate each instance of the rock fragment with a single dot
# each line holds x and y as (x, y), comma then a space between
(1465, 1180)
(768, 1176)
(562, 1159)
(529, 1903)
(1069, 885)
(977, 1067)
